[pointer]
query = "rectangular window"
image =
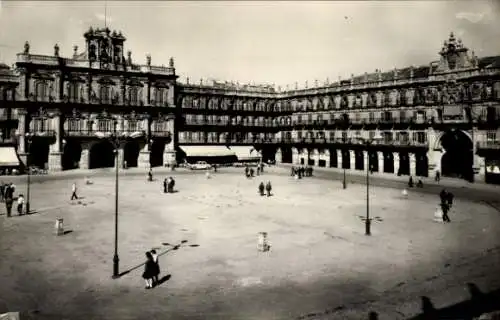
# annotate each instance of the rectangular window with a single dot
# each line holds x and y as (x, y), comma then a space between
(491, 136)
(371, 116)
(159, 97)
(104, 125)
(132, 125)
(74, 125)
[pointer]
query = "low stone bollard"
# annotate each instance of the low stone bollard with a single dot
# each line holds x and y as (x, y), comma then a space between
(262, 244)
(59, 227)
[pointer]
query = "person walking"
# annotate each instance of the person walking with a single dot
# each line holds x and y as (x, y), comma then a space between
(268, 188)
(445, 208)
(261, 189)
(437, 178)
(73, 192)
(156, 272)
(149, 270)
(165, 184)
(9, 195)
(150, 175)
(410, 182)
(20, 204)
(2, 191)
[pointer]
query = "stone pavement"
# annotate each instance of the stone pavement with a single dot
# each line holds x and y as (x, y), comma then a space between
(320, 261)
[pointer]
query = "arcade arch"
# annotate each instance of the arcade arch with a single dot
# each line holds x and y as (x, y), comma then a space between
(131, 151)
(102, 155)
(72, 153)
(458, 157)
(39, 153)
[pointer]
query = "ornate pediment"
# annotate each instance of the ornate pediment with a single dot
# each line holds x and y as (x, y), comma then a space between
(161, 84)
(106, 81)
(134, 82)
(43, 76)
(75, 78)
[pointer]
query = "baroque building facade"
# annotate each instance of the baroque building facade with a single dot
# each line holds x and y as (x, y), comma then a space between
(443, 117)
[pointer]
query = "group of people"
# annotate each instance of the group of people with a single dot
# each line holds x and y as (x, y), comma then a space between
(420, 184)
(168, 185)
(151, 269)
(301, 172)
(249, 172)
(267, 188)
(7, 195)
(446, 203)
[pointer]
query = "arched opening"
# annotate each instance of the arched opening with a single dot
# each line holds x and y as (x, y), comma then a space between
(310, 160)
(373, 160)
(388, 162)
(268, 154)
(333, 158)
(131, 153)
(39, 153)
(346, 159)
(156, 155)
(421, 165)
(286, 155)
(457, 160)
(102, 155)
(71, 155)
(359, 160)
(404, 164)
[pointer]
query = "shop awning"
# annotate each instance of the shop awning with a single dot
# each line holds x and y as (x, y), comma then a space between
(207, 151)
(8, 157)
(245, 153)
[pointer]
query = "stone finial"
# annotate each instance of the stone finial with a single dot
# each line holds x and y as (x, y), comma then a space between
(412, 72)
(201, 82)
(279, 88)
(187, 80)
(56, 50)
(286, 87)
(327, 81)
(148, 59)
(296, 85)
(129, 57)
(75, 51)
(379, 75)
(306, 84)
(315, 83)
(171, 62)
(26, 47)
(395, 73)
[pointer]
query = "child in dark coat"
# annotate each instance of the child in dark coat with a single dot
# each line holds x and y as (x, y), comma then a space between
(149, 270)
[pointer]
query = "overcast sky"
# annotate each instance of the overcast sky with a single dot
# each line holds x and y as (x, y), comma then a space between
(262, 42)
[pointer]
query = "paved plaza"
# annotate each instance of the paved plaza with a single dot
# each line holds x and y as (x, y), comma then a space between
(320, 265)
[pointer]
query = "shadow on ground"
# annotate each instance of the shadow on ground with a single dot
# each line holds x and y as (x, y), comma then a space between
(478, 304)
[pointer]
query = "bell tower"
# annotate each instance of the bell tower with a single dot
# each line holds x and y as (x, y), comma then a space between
(454, 55)
(104, 46)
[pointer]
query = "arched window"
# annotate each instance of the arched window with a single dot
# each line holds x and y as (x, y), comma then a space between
(132, 125)
(159, 96)
(73, 92)
(105, 94)
(133, 96)
(41, 91)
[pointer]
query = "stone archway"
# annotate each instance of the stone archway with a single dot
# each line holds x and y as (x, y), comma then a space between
(39, 153)
(388, 162)
(72, 153)
(156, 155)
(131, 151)
(346, 159)
(404, 164)
(286, 155)
(359, 160)
(373, 161)
(458, 157)
(102, 155)
(421, 164)
(333, 158)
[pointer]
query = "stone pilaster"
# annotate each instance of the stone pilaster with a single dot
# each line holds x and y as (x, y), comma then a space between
(413, 165)
(315, 156)
(144, 158)
(169, 155)
(352, 159)
(85, 157)
(380, 159)
(278, 157)
(339, 159)
(295, 156)
(396, 162)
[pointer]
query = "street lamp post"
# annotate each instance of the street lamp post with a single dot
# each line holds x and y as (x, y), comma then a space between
(116, 259)
(368, 219)
(29, 140)
(344, 181)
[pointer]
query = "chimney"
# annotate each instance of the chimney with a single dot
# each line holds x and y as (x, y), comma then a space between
(75, 52)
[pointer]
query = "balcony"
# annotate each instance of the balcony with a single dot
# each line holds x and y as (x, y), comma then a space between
(43, 133)
(488, 145)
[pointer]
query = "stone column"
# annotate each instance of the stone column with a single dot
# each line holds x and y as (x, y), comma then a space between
(144, 157)
(85, 156)
(352, 158)
(339, 159)
(315, 156)
(434, 157)
(21, 131)
(55, 154)
(169, 155)
(295, 156)
(413, 165)
(380, 159)
(120, 156)
(278, 156)
(396, 162)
